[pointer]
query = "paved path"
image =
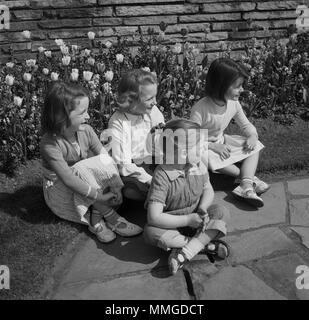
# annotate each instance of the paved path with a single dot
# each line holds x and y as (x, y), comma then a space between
(267, 246)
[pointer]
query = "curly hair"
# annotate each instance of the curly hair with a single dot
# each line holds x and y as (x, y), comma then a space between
(129, 85)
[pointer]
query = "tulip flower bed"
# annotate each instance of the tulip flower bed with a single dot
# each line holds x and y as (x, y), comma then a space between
(277, 88)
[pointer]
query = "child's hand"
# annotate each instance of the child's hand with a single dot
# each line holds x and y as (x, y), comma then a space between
(250, 143)
(106, 198)
(222, 150)
(195, 220)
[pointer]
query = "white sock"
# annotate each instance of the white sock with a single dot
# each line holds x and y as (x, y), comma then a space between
(192, 248)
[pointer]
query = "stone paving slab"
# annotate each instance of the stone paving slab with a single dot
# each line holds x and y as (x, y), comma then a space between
(96, 261)
(243, 216)
(299, 211)
(231, 283)
(303, 232)
(280, 272)
(153, 286)
(299, 187)
(258, 243)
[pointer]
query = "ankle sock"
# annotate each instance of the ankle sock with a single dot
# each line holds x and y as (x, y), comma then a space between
(192, 248)
(112, 218)
(246, 183)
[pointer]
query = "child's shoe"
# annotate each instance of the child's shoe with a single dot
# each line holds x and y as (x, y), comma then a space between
(103, 234)
(216, 250)
(249, 195)
(260, 186)
(125, 228)
(176, 260)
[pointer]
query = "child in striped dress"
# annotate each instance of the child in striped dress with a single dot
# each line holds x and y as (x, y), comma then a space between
(73, 183)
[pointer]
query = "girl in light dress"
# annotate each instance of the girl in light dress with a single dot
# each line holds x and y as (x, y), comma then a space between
(129, 131)
(214, 112)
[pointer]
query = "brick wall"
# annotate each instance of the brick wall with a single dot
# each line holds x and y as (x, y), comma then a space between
(228, 21)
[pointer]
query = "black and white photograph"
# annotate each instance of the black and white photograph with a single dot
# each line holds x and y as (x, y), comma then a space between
(154, 154)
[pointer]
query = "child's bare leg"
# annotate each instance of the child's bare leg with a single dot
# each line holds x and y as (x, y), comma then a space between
(247, 170)
(231, 170)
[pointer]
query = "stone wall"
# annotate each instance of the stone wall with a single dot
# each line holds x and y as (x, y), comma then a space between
(229, 21)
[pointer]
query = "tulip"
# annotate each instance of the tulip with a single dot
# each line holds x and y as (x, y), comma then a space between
(54, 76)
(30, 62)
(74, 47)
(59, 42)
(41, 49)
(48, 54)
(119, 57)
(91, 35)
(18, 101)
(27, 76)
(9, 80)
(87, 75)
(74, 74)
(66, 60)
(26, 34)
(87, 52)
(10, 64)
(45, 71)
(64, 49)
(109, 75)
(101, 67)
(91, 61)
(108, 44)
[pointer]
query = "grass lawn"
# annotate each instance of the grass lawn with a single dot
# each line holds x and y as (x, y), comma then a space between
(31, 237)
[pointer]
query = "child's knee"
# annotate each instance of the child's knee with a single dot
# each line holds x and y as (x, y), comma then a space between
(219, 212)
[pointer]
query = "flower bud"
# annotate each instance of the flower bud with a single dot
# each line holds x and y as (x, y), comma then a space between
(87, 75)
(91, 35)
(54, 76)
(119, 57)
(9, 80)
(27, 76)
(66, 60)
(18, 101)
(109, 75)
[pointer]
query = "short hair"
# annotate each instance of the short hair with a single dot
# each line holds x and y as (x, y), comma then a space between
(129, 87)
(220, 76)
(59, 101)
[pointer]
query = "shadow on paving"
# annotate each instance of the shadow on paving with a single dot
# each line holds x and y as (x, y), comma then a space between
(135, 249)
